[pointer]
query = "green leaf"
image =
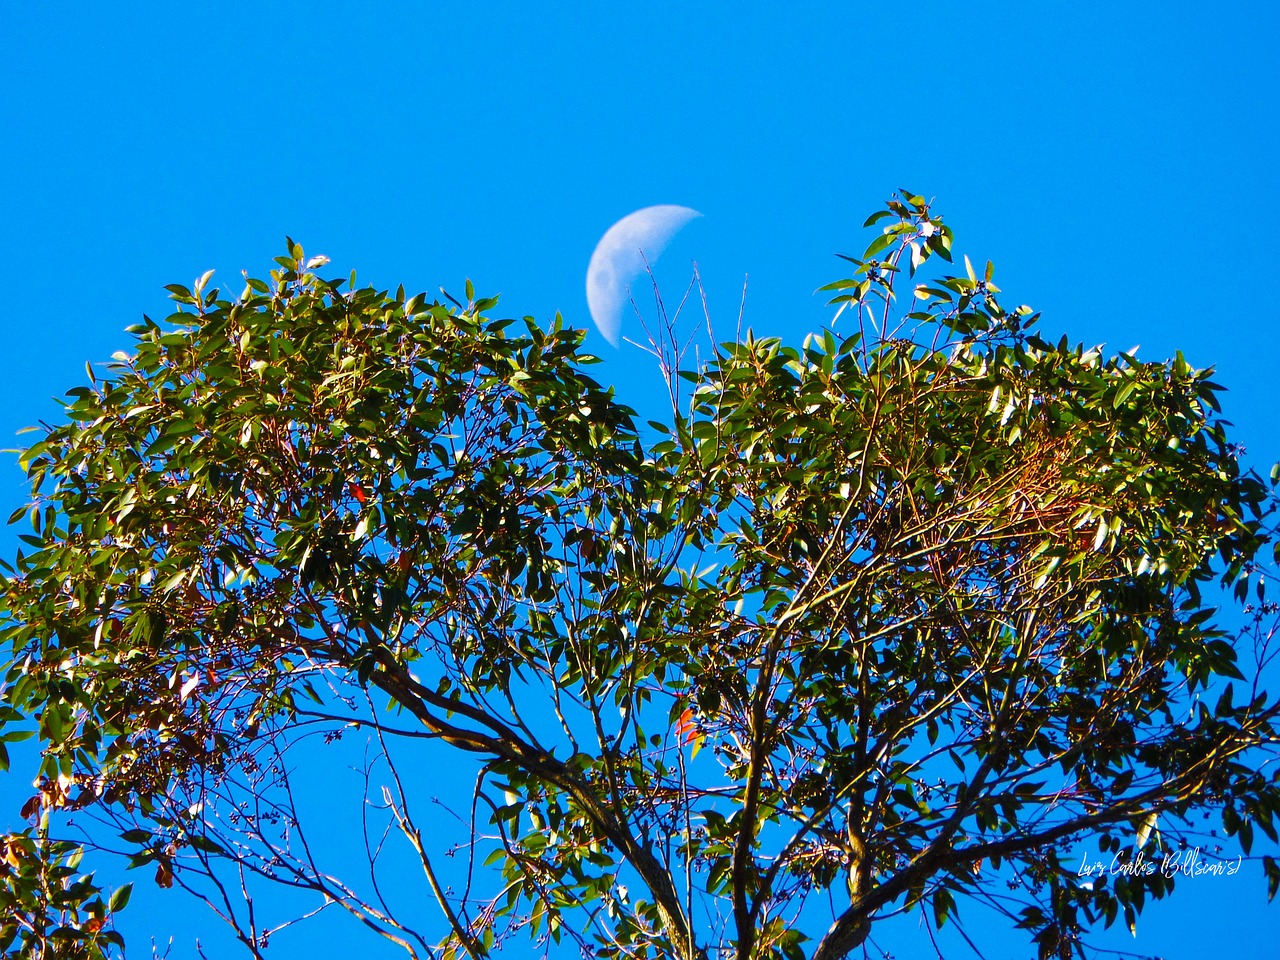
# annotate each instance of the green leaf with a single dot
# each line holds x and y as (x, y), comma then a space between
(120, 898)
(942, 903)
(878, 244)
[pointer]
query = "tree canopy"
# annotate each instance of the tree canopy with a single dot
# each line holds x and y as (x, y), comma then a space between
(896, 618)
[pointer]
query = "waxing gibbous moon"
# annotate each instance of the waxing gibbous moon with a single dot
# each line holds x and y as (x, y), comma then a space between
(620, 257)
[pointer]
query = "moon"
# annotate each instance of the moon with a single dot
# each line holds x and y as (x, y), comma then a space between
(620, 256)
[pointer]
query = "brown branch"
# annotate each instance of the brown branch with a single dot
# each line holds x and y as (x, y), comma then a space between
(502, 742)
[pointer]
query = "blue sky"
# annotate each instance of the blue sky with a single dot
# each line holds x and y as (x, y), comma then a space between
(1117, 162)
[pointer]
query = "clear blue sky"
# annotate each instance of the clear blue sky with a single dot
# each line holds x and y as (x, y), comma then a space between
(1117, 161)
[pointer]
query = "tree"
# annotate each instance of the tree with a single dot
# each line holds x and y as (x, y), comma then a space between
(894, 619)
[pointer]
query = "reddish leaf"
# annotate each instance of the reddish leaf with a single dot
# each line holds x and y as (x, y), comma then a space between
(686, 730)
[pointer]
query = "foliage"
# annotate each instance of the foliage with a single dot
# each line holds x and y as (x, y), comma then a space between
(49, 909)
(892, 619)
